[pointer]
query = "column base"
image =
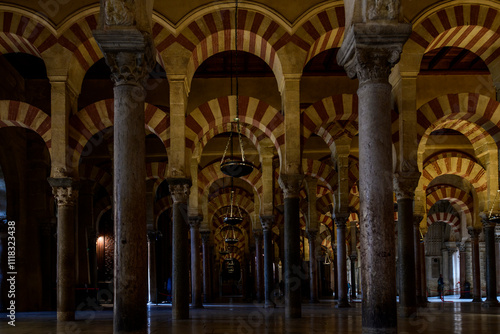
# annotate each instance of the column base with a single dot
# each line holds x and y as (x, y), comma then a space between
(269, 304)
(65, 316)
(379, 330)
(490, 303)
(342, 304)
(477, 300)
(196, 306)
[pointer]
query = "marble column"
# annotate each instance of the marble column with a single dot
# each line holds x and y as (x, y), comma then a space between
(267, 229)
(463, 267)
(340, 222)
(423, 275)
(291, 184)
(205, 239)
(404, 186)
(476, 273)
(179, 189)
(259, 272)
(196, 281)
(418, 268)
(335, 274)
(313, 266)
(153, 286)
(66, 195)
(489, 224)
(369, 51)
(445, 265)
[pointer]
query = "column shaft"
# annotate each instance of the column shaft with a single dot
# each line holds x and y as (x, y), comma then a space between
(196, 281)
(476, 273)
(406, 250)
(313, 267)
(463, 269)
(292, 259)
(205, 237)
(353, 276)
(268, 268)
(416, 244)
(342, 262)
(491, 271)
(259, 272)
(153, 286)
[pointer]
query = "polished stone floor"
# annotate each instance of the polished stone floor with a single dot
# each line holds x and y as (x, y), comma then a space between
(450, 316)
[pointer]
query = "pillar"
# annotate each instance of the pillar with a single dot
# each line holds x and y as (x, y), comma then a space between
(445, 255)
(196, 281)
(353, 259)
(313, 266)
(153, 285)
(291, 183)
(340, 222)
(259, 272)
(489, 224)
(353, 256)
(205, 239)
(66, 195)
(267, 229)
(476, 273)
(463, 267)
(369, 51)
(423, 275)
(419, 293)
(405, 184)
(335, 270)
(179, 189)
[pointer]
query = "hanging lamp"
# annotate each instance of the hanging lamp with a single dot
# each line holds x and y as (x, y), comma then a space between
(230, 165)
(231, 218)
(231, 238)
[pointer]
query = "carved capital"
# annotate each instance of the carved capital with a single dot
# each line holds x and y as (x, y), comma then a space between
(291, 184)
(65, 190)
(374, 63)
(405, 184)
(267, 222)
(489, 222)
(129, 68)
(257, 234)
(195, 221)
(461, 247)
(205, 236)
(179, 189)
(474, 233)
(341, 220)
(154, 235)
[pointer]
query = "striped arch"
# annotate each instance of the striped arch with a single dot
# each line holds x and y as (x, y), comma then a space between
(161, 206)
(459, 199)
(321, 171)
(212, 33)
(222, 110)
(26, 33)
(466, 168)
(473, 27)
(98, 175)
(242, 199)
(212, 173)
(354, 199)
(326, 220)
(156, 170)
(101, 208)
(324, 204)
(323, 31)
(21, 114)
(318, 117)
(100, 115)
(447, 218)
(451, 109)
(241, 234)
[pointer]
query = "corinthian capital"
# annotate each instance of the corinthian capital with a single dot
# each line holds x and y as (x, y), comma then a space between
(65, 190)
(291, 183)
(405, 184)
(179, 189)
(267, 222)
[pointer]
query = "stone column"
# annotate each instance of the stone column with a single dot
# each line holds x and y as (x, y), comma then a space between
(267, 229)
(405, 184)
(291, 183)
(418, 268)
(340, 222)
(313, 266)
(66, 195)
(196, 280)
(489, 224)
(476, 273)
(153, 286)
(205, 239)
(353, 259)
(423, 275)
(335, 274)
(179, 189)
(259, 272)
(463, 267)
(445, 265)
(369, 51)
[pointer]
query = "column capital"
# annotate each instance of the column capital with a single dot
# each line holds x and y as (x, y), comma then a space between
(474, 233)
(128, 52)
(487, 220)
(341, 220)
(267, 222)
(461, 247)
(405, 184)
(257, 234)
(291, 183)
(179, 189)
(311, 234)
(65, 190)
(195, 221)
(154, 235)
(370, 50)
(417, 219)
(205, 236)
